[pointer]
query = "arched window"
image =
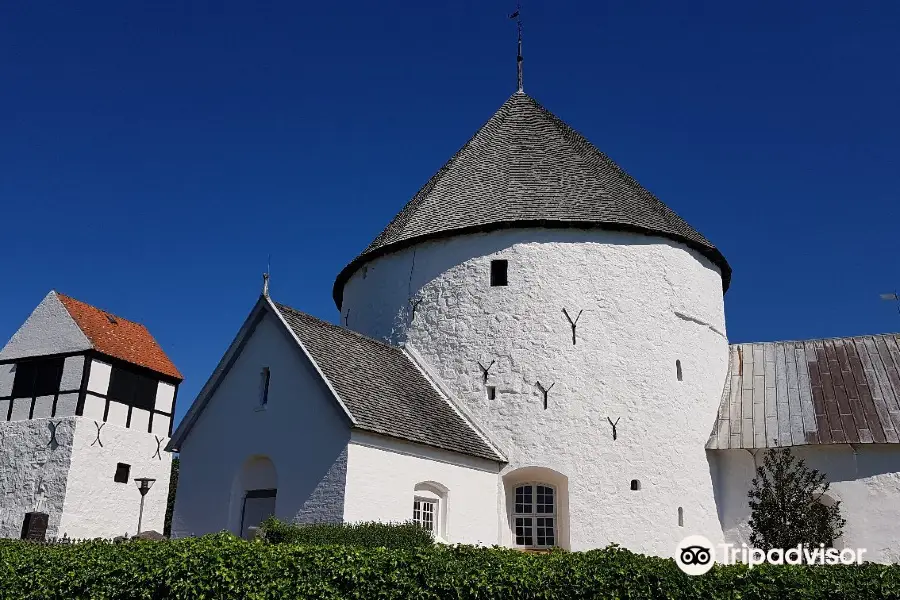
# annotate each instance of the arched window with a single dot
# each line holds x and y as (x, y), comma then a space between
(534, 515)
(429, 509)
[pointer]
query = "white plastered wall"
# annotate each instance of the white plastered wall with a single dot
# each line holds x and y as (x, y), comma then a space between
(383, 473)
(98, 506)
(647, 302)
(302, 430)
(33, 471)
(867, 482)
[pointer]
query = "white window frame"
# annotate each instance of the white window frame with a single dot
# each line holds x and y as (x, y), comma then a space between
(534, 515)
(419, 512)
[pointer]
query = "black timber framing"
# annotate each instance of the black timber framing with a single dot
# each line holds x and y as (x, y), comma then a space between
(57, 392)
(121, 364)
(83, 392)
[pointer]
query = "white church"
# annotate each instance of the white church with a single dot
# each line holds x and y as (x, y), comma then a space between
(534, 354)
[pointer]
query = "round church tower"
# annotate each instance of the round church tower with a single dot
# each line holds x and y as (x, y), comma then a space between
(575, 319)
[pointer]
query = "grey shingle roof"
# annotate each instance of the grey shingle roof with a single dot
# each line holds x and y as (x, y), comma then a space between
(828, 391)
(525, 167)
(383, 390)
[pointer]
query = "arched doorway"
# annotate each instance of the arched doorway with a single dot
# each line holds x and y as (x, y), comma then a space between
(254, 494)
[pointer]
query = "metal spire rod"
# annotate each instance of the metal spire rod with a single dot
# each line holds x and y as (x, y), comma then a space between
(518, 17)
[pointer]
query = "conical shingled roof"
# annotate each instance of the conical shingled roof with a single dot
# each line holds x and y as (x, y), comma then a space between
(523, 168)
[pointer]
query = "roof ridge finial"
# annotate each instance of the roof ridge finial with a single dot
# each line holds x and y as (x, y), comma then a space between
(265, 289)
(518, 17)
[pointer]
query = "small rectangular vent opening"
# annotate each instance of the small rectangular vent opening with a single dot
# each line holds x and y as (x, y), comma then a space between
(491, 392)
(123, 471)
(498, 272)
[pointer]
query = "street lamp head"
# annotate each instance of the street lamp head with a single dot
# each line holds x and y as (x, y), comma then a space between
(892, 296)
(144, 484)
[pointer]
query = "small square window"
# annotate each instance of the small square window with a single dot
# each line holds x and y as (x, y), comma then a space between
(264, 387)
(122, 473)
(498, 272)
(491, 392)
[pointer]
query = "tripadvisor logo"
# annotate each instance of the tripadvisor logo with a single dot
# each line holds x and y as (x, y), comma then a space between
(695, 555)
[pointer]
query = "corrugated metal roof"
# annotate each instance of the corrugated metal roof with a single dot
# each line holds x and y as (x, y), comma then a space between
(526, 168)
(827, 391)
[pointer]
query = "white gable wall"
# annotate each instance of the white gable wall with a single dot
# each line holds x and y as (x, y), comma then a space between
(49, 330)
(867, 483)
(302, 430)
(383, 474)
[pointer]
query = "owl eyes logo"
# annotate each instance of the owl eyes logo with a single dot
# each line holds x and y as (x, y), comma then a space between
(694, 555)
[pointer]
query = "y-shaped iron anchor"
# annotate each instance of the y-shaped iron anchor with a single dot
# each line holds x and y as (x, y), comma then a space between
(545, 391)
(573, 323)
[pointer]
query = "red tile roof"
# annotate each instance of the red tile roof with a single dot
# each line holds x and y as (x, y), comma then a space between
(119, 338)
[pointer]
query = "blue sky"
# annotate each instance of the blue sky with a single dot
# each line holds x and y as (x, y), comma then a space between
(152, 155)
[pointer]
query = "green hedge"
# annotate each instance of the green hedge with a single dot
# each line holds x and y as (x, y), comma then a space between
(360, 535)
(222, 566)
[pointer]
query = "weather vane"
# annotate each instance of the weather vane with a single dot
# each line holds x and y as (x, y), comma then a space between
(518, 17)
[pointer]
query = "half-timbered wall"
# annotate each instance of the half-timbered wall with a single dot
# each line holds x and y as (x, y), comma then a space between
(128, 396)
(99, 388)
(40, 387)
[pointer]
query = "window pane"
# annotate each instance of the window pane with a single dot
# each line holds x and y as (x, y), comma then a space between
(545, 532)
(428, 516)
(524, 531)
(544, 499)
(523, 500)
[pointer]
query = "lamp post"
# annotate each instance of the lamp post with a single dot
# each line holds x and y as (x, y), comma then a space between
(144, 484)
